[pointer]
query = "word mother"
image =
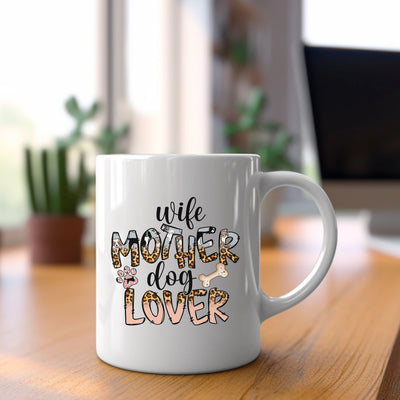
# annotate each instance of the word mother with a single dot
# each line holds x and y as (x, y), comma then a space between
(152, 247)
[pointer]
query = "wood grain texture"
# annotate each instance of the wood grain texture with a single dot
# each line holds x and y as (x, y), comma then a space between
(390, 386)
(334, 345)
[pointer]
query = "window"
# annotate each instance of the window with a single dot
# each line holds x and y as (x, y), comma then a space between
(168, 75)
(48, 53)
(368, 24)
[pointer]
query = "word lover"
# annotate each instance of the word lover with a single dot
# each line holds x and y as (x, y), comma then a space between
(161, 307)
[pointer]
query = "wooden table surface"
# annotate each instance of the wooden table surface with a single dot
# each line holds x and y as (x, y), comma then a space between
(340, 343)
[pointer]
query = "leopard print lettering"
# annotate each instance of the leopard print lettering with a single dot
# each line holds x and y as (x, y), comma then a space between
(203, 245)
(150, 234)
(129, 320)
(174, 316)
(204, 257)
(148, 297)
(224, 247)
(171, 231)
(196, 307)
(131, 245)
(180, 254)
(128, 296)
(214, 305)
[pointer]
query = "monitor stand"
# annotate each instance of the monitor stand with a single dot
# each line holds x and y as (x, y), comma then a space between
(384, 231)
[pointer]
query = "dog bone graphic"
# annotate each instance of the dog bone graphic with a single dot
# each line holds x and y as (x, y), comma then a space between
(221, 271)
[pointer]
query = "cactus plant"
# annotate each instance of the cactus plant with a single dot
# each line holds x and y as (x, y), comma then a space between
(81, 116)
(55, 229)
(108, 138)
(51, 189)
(106, 141)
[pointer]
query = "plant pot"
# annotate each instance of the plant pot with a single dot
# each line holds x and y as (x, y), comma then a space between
(55, 239)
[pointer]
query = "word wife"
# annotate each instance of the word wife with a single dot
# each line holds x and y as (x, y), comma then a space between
(191, 212)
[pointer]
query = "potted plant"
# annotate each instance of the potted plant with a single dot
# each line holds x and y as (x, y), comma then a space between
(56, 190)
(55, 229)
(249, 133)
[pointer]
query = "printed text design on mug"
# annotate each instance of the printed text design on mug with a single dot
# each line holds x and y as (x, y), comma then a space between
(157, 246)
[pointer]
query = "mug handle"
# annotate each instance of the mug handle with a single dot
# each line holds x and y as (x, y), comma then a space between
(267, 181)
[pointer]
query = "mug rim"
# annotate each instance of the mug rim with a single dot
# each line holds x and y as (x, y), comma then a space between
(144, 156)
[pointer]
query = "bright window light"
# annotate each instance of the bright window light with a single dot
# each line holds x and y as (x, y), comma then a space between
(144, 52)
(364, 24)
(47, 52)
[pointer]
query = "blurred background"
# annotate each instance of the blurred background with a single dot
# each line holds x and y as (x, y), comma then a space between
(312, 86)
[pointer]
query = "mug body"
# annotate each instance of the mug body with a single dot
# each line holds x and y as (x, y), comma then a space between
(177, 239)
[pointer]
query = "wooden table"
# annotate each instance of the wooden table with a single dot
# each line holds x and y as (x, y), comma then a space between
(337, 344)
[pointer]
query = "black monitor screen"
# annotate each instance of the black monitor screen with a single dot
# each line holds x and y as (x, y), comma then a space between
(355, 100)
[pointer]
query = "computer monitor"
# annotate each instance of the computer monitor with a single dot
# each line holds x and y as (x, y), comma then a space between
(355, 109)
(355, 104)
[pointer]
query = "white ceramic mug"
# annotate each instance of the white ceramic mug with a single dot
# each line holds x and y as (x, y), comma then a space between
(178, 237)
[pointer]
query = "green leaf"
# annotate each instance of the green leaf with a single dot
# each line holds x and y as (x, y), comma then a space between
(30, 180)
(123, 131)
(108, 138)
(92, 111)
(256, 101)
(83, 181)
(272, 126)
(63, 186)
(72, 107)
(240, 52)
(231, 129)
(233, 150)
(45, 177)
(247, 122)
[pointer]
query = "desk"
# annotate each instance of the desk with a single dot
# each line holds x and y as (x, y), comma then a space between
(340, 343)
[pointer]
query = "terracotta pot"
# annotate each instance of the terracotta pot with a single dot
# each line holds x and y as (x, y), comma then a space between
(55, 239)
